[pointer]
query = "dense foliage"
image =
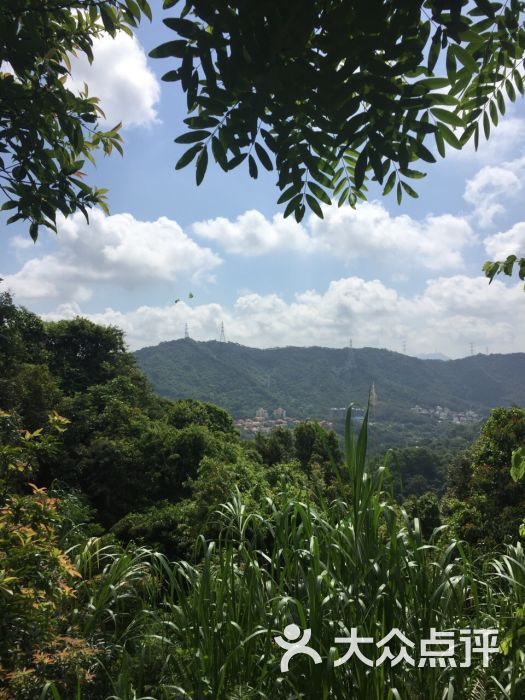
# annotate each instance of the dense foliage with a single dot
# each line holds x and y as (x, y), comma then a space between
(485, 504)
(332, 93)
(104, 621)
(47, 130)
(147, 551)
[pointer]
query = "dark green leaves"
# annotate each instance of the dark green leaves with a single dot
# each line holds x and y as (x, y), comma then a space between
(202, 164)
(170, 48)
(188, 156)
(48, 130)
(193, 136)
(337, 103)
(252, 167)
(263, 156)
(314, 206)
(491, 269)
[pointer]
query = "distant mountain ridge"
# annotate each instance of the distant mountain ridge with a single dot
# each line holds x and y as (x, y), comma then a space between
(307, 382)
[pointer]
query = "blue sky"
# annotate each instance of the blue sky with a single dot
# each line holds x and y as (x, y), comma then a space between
(382, 275)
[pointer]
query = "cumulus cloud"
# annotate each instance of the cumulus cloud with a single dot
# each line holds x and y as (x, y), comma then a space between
(447, 316)
(436, 242)
(490, 186)
(252, 234)
(511, 242)
(120, 77)
(504, 141)
(118, 249)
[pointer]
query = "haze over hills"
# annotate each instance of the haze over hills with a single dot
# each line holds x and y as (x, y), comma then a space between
(308, 381)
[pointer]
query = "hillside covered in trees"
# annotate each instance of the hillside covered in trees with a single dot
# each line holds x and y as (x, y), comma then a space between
(307, 382)
(129, 521)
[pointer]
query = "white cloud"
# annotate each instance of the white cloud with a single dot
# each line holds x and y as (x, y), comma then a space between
(451, 313)
(120, 77)
(507, 140)
(118, 250)
(436, 242)
(252, 234)
(492, 184)
(511, 242)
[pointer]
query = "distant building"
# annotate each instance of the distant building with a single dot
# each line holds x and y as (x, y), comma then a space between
(279, 413)
(261, 414)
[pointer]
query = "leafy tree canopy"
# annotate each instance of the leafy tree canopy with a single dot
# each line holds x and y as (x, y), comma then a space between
(48, 131)
(332, 94)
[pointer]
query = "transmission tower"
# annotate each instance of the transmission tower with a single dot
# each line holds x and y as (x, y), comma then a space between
(373, 400)
(472, 348)
(186, 331)
(222, 337)
(404, 347)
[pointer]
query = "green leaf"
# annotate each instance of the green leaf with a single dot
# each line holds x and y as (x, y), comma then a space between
(144, 6)
(518, 80)
(170, 48)
(293, 204)
(314, 206)
(360, 168)
(493, 113)
(509, 87)
(319, 192)
(252, 167)
(490, 269)
(465, 58)
(448, 117)
(342, 198)
(451, 64)
(414, 174)
(263, 156)
(202, 121)
(440, 143)
(183, 27)
(508, 266)
(486, 124)
(219, 153)
(109, 19)
(390, 183)
(202, 164)
(450, 137)
(399, 193)
(289, 193)
(435, 49)
(299, 213)
(409, 189)
(517, 470)
(193, 136)
(33, 231)
(501, 101)
(423, 152)
(188, 156)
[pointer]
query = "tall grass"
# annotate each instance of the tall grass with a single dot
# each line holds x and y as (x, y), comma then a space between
(207, 630)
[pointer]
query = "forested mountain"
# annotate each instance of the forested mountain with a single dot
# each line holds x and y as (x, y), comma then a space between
(309, 381)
